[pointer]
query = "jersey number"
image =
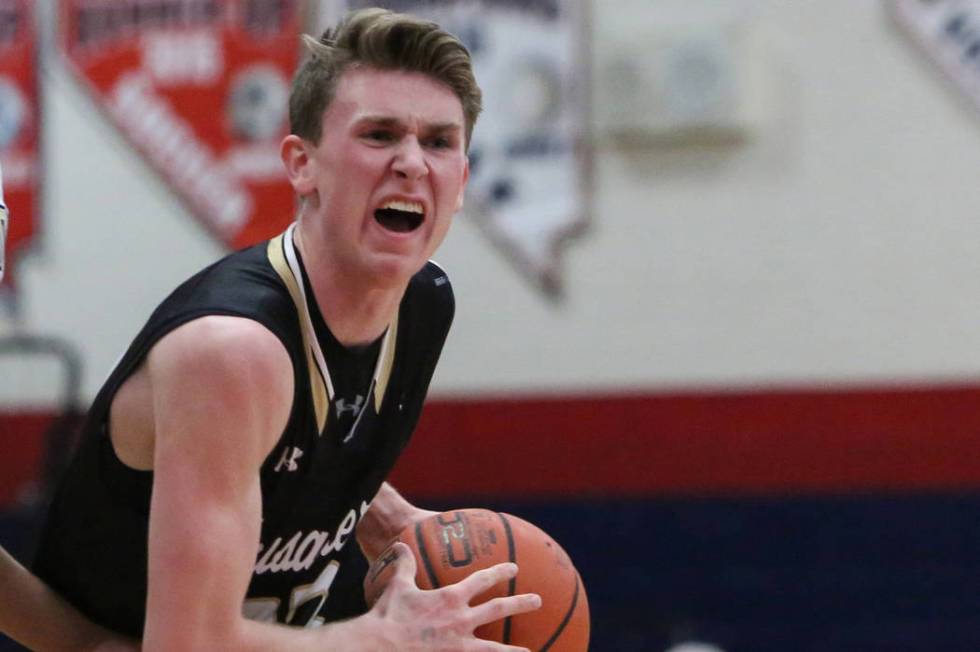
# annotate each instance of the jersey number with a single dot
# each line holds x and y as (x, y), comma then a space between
(305, 602)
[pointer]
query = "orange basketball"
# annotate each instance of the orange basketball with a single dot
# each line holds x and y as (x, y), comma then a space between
(451, 545)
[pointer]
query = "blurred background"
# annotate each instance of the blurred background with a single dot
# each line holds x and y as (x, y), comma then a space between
(716, 281)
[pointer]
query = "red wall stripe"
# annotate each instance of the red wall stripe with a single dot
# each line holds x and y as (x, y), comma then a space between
(751, 442)
(21, 437)
(770, 442)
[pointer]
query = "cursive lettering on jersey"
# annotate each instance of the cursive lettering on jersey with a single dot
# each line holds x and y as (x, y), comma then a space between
(301, 550)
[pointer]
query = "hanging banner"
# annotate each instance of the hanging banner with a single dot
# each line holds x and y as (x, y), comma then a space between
(529, 188)
(200, 88)
(949, 33)
(18, 127)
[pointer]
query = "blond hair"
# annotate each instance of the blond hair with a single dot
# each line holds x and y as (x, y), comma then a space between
(387, 41)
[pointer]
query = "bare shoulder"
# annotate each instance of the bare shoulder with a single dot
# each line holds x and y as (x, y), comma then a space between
(222, 369)
(220, 339)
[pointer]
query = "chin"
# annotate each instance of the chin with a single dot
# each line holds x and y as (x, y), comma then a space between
(394, 270)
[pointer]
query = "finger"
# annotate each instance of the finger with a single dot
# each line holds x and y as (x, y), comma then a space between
(384, 560)
(405, 566)
(379, 575)
(499, 608)
(481, 645)
(488, 646)
(484, 579)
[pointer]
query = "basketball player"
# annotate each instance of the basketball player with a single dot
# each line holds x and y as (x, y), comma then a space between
(241, 444)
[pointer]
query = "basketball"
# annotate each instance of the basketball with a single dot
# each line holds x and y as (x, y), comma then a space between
(452, 545)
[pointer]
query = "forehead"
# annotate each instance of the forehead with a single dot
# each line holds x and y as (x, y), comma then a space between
(397, 94)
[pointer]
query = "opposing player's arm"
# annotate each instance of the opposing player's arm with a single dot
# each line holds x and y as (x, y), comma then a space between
(40, 619)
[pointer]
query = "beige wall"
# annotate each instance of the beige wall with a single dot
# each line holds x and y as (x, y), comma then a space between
(836, 243)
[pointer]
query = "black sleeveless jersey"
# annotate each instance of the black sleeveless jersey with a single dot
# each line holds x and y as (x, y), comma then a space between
(344, 433)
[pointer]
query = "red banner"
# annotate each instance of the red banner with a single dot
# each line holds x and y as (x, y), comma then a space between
(200, 88)
(18, 124)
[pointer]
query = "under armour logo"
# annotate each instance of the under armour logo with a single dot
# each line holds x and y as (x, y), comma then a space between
(354, 408)
(288, 459)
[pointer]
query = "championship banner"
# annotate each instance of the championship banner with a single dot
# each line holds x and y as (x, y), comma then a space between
(200, 88)
(19, 118)
(529, 187)
(948, 31)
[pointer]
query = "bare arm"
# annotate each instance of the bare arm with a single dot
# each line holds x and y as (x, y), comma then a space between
(40, 619)
(222, 390)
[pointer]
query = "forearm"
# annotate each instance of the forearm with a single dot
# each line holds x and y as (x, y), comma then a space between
(199, 565)
(389, 514)
(391, 511)
(361, 634)
(38, 618)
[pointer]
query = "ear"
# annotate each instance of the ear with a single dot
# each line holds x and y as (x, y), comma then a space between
(462, 188)
(299, 164)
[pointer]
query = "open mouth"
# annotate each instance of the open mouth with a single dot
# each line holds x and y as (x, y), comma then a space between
(400, 216)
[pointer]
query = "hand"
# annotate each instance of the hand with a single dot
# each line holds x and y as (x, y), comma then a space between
(441, 620)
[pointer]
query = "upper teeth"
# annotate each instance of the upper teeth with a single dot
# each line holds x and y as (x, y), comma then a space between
(408, 206)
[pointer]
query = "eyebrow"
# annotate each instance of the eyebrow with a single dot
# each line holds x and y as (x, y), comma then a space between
(388, 121)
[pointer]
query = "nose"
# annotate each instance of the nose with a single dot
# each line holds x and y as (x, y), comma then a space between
(409, 160)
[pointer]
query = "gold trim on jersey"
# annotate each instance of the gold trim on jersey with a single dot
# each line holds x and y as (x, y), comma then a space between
(386, 358)
(282, 257)
(318, 385)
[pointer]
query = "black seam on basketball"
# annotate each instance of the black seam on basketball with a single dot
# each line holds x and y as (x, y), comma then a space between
(564, 622)
(426, 562)
(512, 585)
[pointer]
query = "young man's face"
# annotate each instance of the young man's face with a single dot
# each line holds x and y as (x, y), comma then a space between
(388, 174)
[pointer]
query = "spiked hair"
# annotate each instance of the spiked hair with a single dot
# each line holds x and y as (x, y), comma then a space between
(384, 40)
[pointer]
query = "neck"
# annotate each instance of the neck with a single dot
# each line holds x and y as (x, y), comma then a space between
(355, 311)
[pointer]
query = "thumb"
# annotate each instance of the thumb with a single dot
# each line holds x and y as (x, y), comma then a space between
(405, 564)
(393, 574)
